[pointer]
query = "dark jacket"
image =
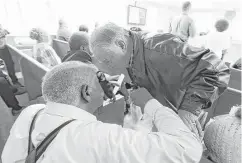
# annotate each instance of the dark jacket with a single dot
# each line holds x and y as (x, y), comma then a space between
(189, 78)
(78, 55)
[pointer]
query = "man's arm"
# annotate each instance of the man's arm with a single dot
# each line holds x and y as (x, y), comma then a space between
(173, 143)
(211, 80)
(192, 29)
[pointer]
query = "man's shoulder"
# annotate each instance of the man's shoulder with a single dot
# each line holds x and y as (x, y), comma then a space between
(31, 110)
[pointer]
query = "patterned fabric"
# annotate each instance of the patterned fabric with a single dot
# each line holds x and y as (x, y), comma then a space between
(46, 55)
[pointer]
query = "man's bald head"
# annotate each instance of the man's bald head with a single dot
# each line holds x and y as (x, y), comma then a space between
(64, 82)
(109, 45)
(79, 40)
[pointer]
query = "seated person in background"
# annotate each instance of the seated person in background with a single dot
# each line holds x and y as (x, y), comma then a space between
(83, 28)
(6, 56)
(79, 45)
(217, 40)
(136, 29)
(42, 51)
(8, 92)
(63, 32)
(237, 64)
(72, 91)
(223, 137)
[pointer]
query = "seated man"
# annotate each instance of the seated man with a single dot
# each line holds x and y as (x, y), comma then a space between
(6, 56)
(72, 91)
(8, 92)
(83, 28)
(79, 45)
(63, 32)
(42, 51)
(177, 75)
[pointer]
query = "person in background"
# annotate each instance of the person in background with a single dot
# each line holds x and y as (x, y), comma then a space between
(177, 75)
(63, 32)
(136, 29)
(217, 40)
(183, 26)
(6, 56)
(8, 92)
(72, 91)
(42, 51)
(83, 28)
(79, 45)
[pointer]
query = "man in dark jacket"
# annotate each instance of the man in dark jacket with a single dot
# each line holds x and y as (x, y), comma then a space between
(79, 47)
(188, 78)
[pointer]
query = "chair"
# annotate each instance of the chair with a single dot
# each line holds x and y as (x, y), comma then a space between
(60, 47)
(235, 78)
(227, 100)
(32, 72)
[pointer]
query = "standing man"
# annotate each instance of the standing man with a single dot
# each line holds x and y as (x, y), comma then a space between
(183, 26)
(190, 79)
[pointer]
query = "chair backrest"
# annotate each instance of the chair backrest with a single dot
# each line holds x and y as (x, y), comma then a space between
(235, 78)
(32, 72)
(227, 100)
(61, 47)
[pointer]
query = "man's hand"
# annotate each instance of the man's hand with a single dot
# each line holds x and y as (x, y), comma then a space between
(195, 123)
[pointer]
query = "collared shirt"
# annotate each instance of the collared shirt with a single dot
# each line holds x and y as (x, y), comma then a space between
(90, 141)
(46, 55)
(183, 26)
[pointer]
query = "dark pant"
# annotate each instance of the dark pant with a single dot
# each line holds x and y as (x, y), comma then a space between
(6, 56)
(6, 92)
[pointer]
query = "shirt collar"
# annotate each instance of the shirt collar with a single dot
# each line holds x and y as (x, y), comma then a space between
(69, 111)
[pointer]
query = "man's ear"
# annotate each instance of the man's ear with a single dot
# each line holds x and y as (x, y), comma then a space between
(85, 93)
(121, 44)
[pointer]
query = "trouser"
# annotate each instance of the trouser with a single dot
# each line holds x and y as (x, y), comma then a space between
(6, 92)
(6, 56)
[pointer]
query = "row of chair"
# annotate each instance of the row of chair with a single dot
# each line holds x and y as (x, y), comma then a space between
(33, 72)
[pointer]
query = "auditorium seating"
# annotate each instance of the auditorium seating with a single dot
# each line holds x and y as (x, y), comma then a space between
(32, 72)
(235, 78)
(60, 47)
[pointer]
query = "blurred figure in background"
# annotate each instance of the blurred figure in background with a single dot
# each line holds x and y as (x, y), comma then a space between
(8, 92)
(183, 26)
(79, 45)
(136, 29)
(83, 28)
(6, 56)
(218, 40)
(42, 51)
(63, 32)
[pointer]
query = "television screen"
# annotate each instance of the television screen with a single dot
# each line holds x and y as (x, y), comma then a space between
(136, 15)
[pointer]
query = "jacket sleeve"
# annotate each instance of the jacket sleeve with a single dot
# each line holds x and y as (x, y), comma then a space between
(173, 142)
(210, 81)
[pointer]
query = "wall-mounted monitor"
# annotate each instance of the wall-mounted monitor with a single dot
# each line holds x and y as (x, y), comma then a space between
(136, 15)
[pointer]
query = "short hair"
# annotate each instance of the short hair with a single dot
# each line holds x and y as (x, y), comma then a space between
(78, 39)
(186, 5)
(63, 83)
(136, 29)
(37, 34)
(83, 28)
(106, 35)
(222, 25)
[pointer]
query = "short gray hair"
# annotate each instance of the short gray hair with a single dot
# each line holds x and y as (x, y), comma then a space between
(186, 5)
(63, 83)
(106, 35)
